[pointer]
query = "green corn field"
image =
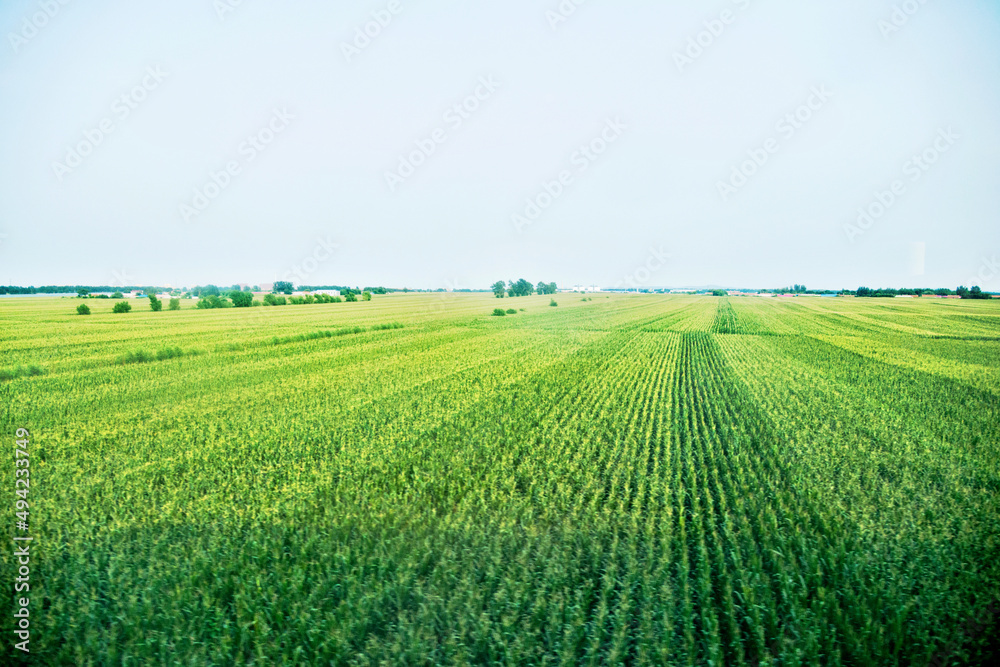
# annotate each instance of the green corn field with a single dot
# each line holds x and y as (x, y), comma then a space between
(630, 479)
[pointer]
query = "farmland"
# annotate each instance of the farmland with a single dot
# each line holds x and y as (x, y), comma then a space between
(630, 479)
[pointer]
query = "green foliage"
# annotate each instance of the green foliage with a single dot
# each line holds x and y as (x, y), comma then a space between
(718, 292)
(676, 480)
(241, 299)
(546, 288)
(350, 297)
(212, 301)
(512, 311)
(552, 302)
(499, 289)
(30, 370)
(270, 300)
(82, 309)
(974, 293)
(82, 293)
(175, 304)
(283, 286)
(499, 312)
(155, 304)
(367, 296)
(142, 356)
(869, 292)
(117, 295)
(520, 288)
(122, 307)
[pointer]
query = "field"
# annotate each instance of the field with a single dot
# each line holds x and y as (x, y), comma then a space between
(625, 480)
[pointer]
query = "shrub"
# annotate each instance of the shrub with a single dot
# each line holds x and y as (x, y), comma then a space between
(155, 304)
(122, 307)
(241, 299)
(175, 304)
(101, 296)
(270, 300)
(367, 296)
(511, 311)
(499, 312)
(213, 301)
(117, 295)
(82, 309)
(388, 325)
(350, 297)
(552, 302)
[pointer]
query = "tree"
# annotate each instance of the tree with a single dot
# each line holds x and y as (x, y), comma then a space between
(520, 288)
(718, 292)
(367, 296)
(976, 293)
(241, 299)
(350, 296)
(155, 304)
(270, 300)
(82, 309)
(82, 293)
(122, 307)
(283, 286)
(175, 304)
(117, 295)
(499, 289)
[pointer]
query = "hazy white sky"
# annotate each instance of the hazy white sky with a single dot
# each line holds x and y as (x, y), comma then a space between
(222, 141)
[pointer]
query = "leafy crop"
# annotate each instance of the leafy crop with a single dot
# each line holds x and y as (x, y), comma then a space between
(640, 479)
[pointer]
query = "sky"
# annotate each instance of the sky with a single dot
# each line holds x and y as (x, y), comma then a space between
(428, 144)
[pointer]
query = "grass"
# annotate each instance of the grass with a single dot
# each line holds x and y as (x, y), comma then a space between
(637, 479)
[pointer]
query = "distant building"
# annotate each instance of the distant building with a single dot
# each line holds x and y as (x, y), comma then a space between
(266, 287)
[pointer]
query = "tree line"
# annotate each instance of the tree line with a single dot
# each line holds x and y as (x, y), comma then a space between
(521, 287)
(962, 291)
